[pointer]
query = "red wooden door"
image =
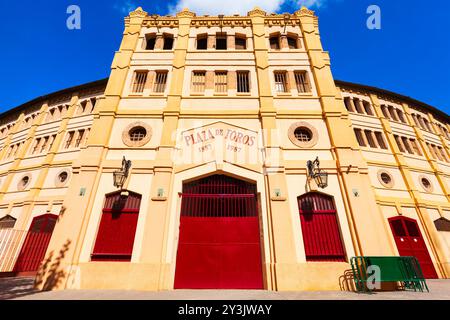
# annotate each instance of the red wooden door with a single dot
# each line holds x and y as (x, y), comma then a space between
(219, 244)
(320, 228)
(36, 243)
(409, 241)
(117, 229)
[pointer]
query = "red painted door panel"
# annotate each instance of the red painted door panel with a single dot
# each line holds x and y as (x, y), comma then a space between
(219, 242)
(219, 253)
(409, 241)
(36, 243)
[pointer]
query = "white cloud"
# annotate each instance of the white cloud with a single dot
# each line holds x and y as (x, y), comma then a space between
(213, 7)
(228, 7)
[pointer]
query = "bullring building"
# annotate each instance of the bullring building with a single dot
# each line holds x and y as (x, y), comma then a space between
(194, 165)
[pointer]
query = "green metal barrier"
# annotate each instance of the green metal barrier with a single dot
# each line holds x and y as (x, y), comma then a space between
(405, 270)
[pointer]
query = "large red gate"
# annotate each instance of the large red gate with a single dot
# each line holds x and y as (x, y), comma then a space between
(35, 244)
(219, 244)
(409, 241)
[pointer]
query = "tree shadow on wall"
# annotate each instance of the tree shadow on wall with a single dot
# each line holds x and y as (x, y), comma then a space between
(50, 274)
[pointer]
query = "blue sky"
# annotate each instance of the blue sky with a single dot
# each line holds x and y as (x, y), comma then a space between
(409, 55)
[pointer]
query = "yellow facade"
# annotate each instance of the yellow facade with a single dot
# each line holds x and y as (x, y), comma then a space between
(88, 129)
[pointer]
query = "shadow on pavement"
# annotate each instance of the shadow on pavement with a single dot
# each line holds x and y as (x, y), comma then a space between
(16, 287)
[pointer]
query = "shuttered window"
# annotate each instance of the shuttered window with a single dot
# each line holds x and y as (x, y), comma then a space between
(243, 81)
(198, 81)
(320, 228)
(220, 81)
(302, 81)
(117, 229)
(140, 78)
(160, 81)
(359, 137)
(280, 82)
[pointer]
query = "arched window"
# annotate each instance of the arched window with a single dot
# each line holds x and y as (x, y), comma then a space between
(115, 236)
(320, 228)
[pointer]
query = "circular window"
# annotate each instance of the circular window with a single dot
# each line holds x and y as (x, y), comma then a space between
(24, 182)
(426, 184)
(136, 134)
(303, 135)
(62, 178)
(386, 179)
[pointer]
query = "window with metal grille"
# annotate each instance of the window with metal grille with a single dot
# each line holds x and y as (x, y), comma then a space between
(168, 42)
(407, 145)
(220, 81)
(320, 228)
(426, 183)
(274, 42)
(359, 137)
(202, 42)
(386, 178)
(117, 229)
(137, 133)
(370, 139)
(69, 139)
(303, 134)
(280, 81)
(160, 81)
(415, 147)
(243, 81)
(302, 81)
(198, 81)
(221, 41)
(150, 41)
(79, 138)
(62, 177)
(240, 42)
(380, 140)
(140, 78)
(292, 42)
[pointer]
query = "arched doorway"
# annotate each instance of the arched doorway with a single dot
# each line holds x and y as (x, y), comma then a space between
(409, 241)
(35, 244)
(219, 243)
(320, 228)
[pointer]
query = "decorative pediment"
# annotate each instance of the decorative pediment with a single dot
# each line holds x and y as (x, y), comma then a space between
(304, 12)
(257, 11)
(138, 13)
(185, 13)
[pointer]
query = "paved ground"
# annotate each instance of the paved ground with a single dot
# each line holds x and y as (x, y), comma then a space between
(21, 288)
